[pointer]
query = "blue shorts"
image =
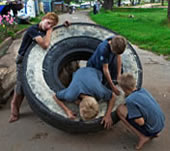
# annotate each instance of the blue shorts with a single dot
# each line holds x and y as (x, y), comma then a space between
(141, 129)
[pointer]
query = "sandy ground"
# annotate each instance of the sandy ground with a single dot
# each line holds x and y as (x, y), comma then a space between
(30, 133)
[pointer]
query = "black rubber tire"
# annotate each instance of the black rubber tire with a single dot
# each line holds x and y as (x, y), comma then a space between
(66, 50)
(70, 49)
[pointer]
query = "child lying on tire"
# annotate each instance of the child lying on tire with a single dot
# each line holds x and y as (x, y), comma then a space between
(141, 113)
(86, 87)
(41, 34)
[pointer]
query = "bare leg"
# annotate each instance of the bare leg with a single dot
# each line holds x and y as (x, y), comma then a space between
(15, 106)
(122, 113)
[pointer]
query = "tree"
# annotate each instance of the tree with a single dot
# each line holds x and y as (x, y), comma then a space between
(108, 4)
(162, 3)
(139, 1)
(169, 10)
(132, 2)
(67, 1)
(119, 3)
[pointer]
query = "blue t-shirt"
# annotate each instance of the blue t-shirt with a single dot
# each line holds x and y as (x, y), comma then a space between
(141, 104)
(104, 55)
(29, 37)
(86, 81)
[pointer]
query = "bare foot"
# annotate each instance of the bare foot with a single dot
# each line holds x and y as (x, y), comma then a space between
(13, 118)
(157, 135)
(14, 113)
(142, 141)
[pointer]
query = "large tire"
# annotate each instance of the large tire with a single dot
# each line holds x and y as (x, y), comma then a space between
(41, 72)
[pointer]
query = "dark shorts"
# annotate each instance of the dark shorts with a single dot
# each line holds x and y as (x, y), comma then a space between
(18, 87)
(141, 129)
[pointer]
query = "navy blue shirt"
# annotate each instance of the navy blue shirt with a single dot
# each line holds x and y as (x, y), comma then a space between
(86, 81)
(104, 55)
(140, 103)
(29, 37)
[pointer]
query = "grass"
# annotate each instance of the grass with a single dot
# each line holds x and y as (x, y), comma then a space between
(147, 28)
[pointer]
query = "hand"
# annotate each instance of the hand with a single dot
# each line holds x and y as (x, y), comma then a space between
(71, 115)
(50, 29)
(67, 23)
(107, 121)
(116, 91)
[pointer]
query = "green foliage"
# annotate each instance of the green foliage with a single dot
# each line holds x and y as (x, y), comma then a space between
(147, 28)
(11, 30)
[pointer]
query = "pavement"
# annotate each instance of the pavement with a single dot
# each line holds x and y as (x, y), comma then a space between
(30, 133)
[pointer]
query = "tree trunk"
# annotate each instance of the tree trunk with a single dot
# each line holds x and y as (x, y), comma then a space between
(108, 4)
(139, 1)
(162, 2)
(67, 1)
(169, 10)
(132, 2)
(119, 3)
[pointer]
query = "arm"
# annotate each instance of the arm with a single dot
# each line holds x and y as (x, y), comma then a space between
(140, 121)
(44, 42)
(65, 108)
(119, 66)
(108, 77)
(107, 119)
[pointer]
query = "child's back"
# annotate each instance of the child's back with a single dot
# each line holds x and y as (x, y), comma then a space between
(141, 104)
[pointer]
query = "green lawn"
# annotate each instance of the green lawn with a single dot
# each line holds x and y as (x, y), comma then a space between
(149, 28)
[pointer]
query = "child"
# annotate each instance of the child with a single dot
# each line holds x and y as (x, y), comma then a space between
(89, 108)
(85, 87)
(107, 59)
(41, 34)
(141, 113)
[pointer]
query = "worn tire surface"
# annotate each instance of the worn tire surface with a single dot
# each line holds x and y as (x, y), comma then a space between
(41, 69)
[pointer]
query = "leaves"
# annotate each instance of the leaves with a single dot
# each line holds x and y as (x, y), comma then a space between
(7, 25)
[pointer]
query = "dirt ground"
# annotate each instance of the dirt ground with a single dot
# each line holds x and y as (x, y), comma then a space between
(30, 133)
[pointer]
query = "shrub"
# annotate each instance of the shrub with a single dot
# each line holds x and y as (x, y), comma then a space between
(7, 26)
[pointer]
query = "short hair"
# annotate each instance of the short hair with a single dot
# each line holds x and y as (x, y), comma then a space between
(127, 81)
(89, 108)
(52, 16)
(118, 44)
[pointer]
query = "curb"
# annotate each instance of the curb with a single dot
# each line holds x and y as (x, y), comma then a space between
(7, 42)
(21, 31)
(5, 45)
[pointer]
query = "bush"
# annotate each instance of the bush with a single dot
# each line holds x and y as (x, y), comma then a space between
(7, 26)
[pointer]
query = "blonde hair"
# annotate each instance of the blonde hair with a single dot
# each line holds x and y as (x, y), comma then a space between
(118, 44)
(127, 81)
(52, 16)
(89, 108)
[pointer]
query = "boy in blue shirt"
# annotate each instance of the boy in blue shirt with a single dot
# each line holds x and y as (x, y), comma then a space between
(107, 58)
(141, 113)
(86, 87)
(41, 34)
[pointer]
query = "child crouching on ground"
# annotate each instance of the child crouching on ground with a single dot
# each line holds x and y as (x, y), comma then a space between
(141, 113)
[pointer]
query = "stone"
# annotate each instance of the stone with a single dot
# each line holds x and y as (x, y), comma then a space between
(8, 69)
